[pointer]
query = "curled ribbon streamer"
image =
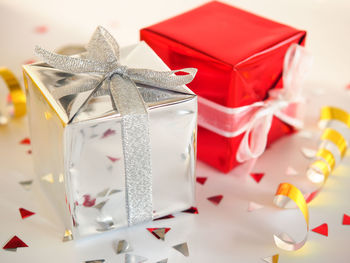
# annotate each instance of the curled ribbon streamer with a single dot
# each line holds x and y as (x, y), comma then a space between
(102, 59)
(255, 120)
(285, 193)
(17, 95)
(331, 150)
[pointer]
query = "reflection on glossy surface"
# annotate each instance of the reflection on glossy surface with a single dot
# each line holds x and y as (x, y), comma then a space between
(81, 164)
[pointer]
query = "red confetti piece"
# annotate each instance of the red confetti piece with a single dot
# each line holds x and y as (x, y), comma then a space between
(322, 229)
(25, 141)
(164, 217)
(257, 176)
(41, 29)
(215, 199)
(113, 159)
(346, 219)
(108, 133)
(347, 87)
(192, 210)
(153, 231)
(88, 202)
(14, 243)
(201, 180)
(25, 213)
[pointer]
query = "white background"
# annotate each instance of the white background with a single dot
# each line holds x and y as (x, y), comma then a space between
(224, 233)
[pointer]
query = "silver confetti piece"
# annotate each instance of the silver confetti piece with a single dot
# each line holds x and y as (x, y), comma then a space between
(160, 232)
(95, 261)
(114, 191)
(182, 248)
(122, 246)
(134, 259)
(26, 184)
(308, 153)
(163, 261)
(105, 224)
(99, 206)
(103, 193)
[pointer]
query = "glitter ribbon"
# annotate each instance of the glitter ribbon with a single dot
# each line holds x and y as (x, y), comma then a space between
(17, 95)
(102, 59)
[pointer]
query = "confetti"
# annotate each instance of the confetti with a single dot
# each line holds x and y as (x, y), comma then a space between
(113, 159)
(103, 193)
(95, 261)
(291, 171)
(346, 219)
(201, 180)
(254, 206)
(106, 223)
(88, 202)
(134, 259)
(41, 29)
(257, 176)
(99, 206)
(114, 191)
(182, 248)
(29, 152)
(122, 246)
(25, 213)
(347, 87)
(163, 261)
(159, 233)
(308, 153)
(271, 259)
(26, 184)
(164, 217)
(108, 133)
(192, 210)
(48, 178)
(215, 199)
(68, 236)
(14, 243)
(322, 229)
(25, 141)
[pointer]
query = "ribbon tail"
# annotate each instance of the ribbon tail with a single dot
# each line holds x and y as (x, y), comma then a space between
(136, 148)
(162, 79)
(254, 140)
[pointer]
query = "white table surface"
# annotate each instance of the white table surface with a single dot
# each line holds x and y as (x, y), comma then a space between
(224, 233)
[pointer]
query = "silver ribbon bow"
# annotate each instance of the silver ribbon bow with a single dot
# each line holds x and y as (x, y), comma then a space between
(102, 58)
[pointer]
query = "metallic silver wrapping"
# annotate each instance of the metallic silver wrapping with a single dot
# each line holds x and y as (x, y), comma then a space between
(81, 163)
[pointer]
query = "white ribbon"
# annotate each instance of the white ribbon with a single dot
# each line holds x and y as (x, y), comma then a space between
(255, 120)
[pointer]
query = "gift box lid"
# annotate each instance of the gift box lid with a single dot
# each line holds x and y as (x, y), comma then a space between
(48, 80)
(224, 32)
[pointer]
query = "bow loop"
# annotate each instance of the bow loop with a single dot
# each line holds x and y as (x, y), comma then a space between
(102, 47)
(281, 103)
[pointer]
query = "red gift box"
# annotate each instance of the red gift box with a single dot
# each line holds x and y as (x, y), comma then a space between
(239, 57)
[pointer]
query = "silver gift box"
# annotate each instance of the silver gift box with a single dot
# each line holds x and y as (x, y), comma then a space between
(80, 164)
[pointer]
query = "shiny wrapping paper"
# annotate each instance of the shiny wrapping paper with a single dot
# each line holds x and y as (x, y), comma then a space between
(80, 163)
(239, 57)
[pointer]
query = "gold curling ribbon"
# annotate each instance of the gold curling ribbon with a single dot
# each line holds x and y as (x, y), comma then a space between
(286, 192)
(318, 172)
(332, 113)
(17, 95)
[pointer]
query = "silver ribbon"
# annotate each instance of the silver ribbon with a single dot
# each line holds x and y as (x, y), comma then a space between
(102, 59)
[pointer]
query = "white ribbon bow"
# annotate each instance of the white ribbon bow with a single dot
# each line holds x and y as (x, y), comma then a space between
(255, 120)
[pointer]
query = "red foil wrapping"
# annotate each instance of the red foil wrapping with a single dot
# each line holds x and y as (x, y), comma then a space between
(239, 57)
